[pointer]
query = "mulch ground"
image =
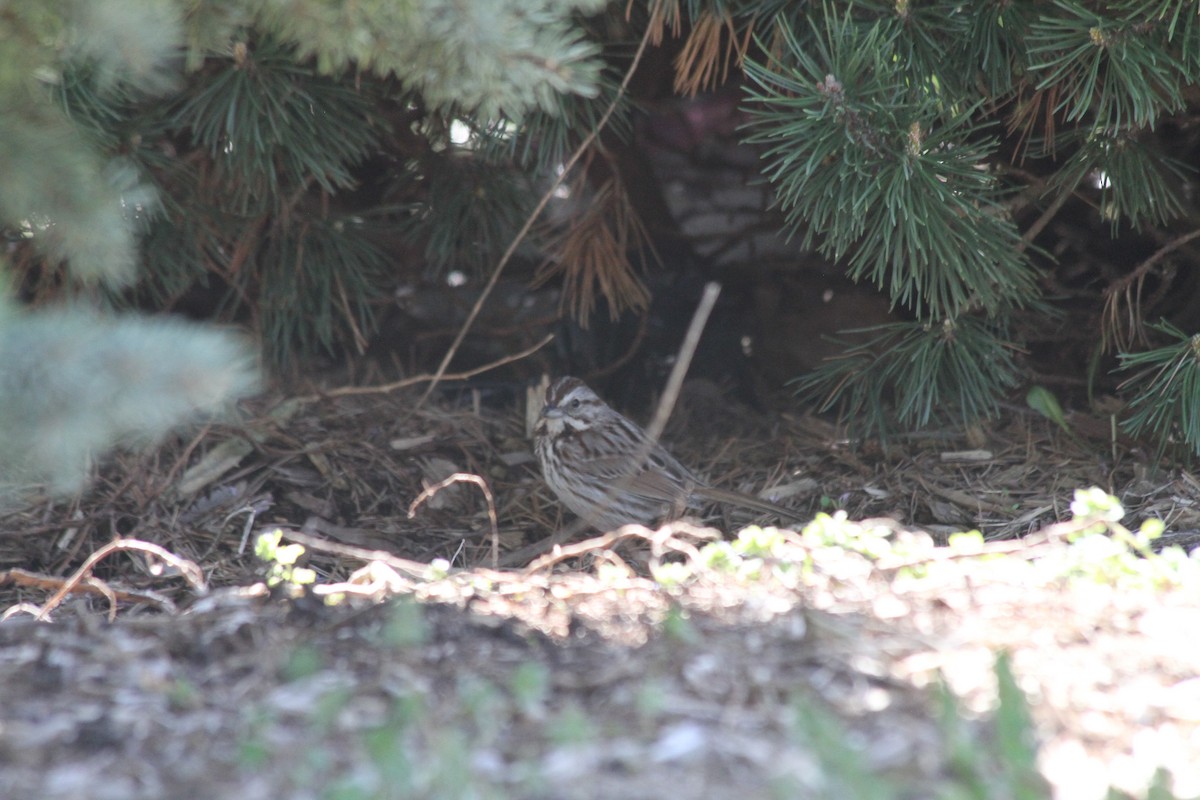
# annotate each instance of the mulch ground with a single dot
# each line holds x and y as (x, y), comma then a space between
(519, 672)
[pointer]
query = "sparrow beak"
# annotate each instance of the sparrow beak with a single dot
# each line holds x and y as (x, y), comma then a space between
(551, 412)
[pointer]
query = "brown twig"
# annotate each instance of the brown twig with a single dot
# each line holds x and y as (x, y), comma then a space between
(661, 540)
(466, 477)
(187, 569)
(1157, 256)
(413, 568)
(522, 555)
(342, 391)
(533, 216)
(623, 359)
(1130, 285)
(1041, 222)
(682, 361)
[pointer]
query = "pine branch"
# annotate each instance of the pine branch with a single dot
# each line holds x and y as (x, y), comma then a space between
(501, 58)
(315, 280)
(1114, 65)
(1165, 390)
(73, 203)
(593, 255)
(271, 124)
(76, 384)
(1139, 185)
(873, 165)
(470, 210)
(957, 369)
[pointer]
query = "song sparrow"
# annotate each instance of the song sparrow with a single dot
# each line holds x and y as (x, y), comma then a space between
(590, 458)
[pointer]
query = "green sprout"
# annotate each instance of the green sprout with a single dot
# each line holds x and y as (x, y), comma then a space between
(282, 560)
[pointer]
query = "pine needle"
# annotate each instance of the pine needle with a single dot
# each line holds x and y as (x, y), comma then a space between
(593, 257)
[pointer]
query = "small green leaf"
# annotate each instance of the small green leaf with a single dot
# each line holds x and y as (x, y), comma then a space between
(304, 575)
(1152, 529)
(289, 554)
(267, 543)
(1043, 401)
(1095, 502)
(966, 542)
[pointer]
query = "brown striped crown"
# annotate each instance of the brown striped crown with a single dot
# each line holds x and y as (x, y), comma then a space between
(570, 406)
(570, 396)
(562, 388)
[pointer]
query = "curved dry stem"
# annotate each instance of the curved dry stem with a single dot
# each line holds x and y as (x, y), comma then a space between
(533, 216)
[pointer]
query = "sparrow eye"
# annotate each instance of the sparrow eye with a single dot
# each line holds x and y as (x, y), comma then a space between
(574, 403)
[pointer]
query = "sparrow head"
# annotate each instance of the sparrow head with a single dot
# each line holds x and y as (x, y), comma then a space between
(569, 404)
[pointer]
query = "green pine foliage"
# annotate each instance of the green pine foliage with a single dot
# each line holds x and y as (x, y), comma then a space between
(1144, 185)
(178, 147)
(891, 132)
(126, 47)
(1165, 390)
(76, 383)
(964, 366)
(896, 184)
(469, 210)
(269, 125)
(1114, 66)
(238, 170)
(259, 151)
(497, 58)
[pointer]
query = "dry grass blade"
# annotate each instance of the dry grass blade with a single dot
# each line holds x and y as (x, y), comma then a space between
(683, 360)
(32, 580)
(1123, 330)
(414, 570)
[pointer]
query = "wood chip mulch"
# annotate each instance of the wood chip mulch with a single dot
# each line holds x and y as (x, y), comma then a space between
(582, 677)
